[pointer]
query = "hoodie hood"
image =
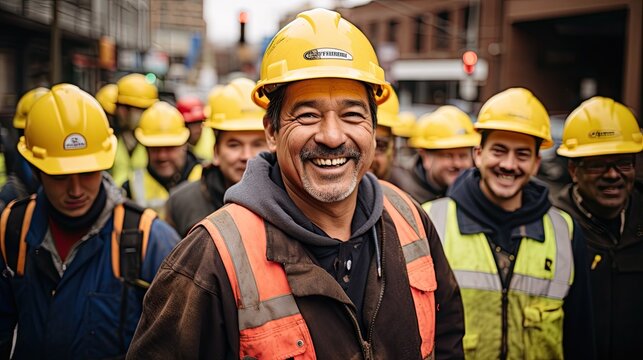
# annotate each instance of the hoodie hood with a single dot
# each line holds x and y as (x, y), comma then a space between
(262, 191)
(491, 219)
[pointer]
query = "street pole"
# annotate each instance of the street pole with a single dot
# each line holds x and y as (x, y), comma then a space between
(54, 50)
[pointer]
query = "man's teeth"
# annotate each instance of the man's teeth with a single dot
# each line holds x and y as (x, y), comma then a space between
(506, 177)
(329, 162)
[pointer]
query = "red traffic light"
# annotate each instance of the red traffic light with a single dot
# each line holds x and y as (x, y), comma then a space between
(469, 60)
(243, 17)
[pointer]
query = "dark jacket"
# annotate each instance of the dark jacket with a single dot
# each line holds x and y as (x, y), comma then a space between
(72, 310)
(412, 179)
(191, 301)
(192, 201)
(616, 276)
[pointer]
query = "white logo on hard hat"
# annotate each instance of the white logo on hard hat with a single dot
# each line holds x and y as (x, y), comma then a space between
(327, 53)
(75, 142)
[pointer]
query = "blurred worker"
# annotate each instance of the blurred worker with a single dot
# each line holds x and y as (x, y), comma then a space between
(135, 94)
(201, 141)
(306, 260)
(71, 284)
(164, 135)
(240, 137)
(107, 97)
(602, 138)
(444, 139)
(384, 156)
(520, 263)
(403, 130)
(21, 181)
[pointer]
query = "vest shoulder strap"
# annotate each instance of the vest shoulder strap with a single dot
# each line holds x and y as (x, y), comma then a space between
(270, 323)
(405, 205)
(438, 214)
(130, 238)
(14, 225)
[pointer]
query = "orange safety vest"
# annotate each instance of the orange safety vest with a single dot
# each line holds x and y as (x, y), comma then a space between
(270, 324)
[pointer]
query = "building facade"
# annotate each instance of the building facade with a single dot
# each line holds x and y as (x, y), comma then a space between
(45, 42)
(564, 51)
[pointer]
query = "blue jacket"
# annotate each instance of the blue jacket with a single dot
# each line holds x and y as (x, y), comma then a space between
(76, 316)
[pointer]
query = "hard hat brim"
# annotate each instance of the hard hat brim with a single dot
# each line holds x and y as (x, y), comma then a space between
(320, 72)
(66, 165)
(136, 101)
(518, 128)
(598, 149)
(162, 140)
(240, 124)
(460, 141)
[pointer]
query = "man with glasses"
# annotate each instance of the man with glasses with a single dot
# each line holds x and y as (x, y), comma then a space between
(601, 138)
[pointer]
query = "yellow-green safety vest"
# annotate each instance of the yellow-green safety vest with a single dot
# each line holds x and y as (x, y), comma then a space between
(149, 193)
(204, 148)
(525, 318)
(124, 163)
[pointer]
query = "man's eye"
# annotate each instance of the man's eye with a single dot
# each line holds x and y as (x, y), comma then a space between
(307, 118)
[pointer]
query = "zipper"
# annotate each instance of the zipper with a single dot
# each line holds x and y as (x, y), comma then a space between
(381, 296)
(366, 348)
(505, 305)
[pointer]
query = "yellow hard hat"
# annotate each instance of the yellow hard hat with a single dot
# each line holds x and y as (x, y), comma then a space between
(25, 104)
(107, 97)
(207, 111)
(405, 126)
(161, 125)
(319, 43)
(517, 110)
(232, 109)
(600, 126)
(67, 133)
(446, 128)
(388, 112)
(135, 90)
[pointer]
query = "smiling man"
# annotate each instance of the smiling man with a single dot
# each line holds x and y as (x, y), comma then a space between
(602, 138)
(520, 262)
(313, 257)
(238, 126)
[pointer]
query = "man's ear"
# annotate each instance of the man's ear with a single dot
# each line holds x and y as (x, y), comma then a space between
(572, 168)
(271, 134)
(534, 171)
(477, 155)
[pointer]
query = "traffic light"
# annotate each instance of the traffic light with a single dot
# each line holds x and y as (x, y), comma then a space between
(469, 60)
(243, 18)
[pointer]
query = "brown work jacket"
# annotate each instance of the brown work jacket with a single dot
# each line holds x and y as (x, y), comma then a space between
(190, 310)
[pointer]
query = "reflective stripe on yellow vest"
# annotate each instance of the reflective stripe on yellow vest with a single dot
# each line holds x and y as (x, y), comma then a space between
(541, 278)
(149, 193)
(270, 323)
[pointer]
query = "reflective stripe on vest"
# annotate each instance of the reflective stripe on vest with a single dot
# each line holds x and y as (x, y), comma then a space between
(419, 263)
(557, 288)
(270, 323)
(528, 317)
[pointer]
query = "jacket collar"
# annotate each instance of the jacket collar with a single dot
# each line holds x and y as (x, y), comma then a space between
(468, 226)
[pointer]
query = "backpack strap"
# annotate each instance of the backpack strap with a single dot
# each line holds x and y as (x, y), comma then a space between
(130, 238)
(14, 225)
